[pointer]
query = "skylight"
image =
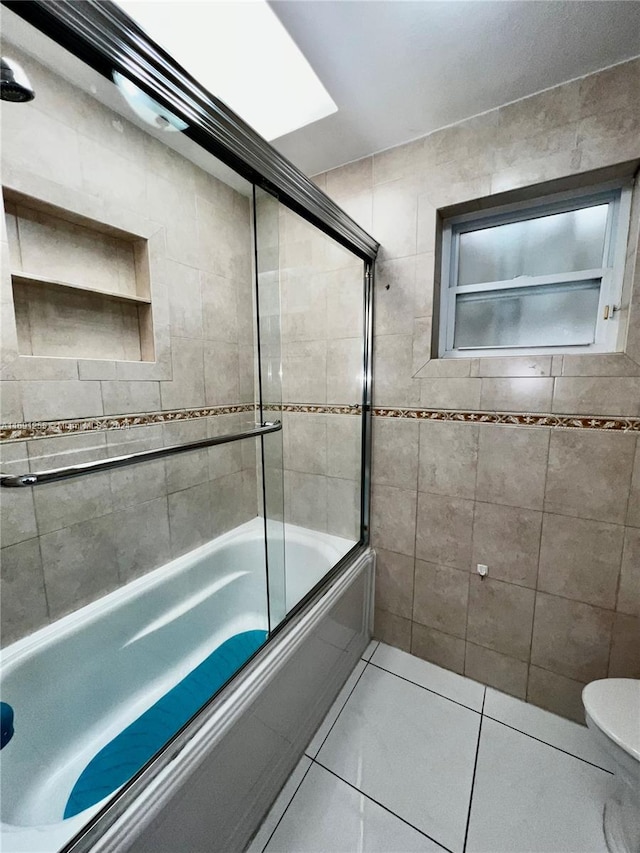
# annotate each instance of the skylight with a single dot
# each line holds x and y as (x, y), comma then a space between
(241, 53)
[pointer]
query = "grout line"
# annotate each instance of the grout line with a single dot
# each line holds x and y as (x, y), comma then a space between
(428, 689)
(286, 808)
(413, 587)
(382, 806)
(546, 743)
(314, 760)
(619, 583)
(312, 757)
(415, 542)
(473, 778)
(615, 612)
(44, 579)
(368, 660)
(535, 593)
(543, 511)
(636, 457)
(472, 571)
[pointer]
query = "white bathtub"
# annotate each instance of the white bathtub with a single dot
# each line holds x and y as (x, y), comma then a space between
(75, 684)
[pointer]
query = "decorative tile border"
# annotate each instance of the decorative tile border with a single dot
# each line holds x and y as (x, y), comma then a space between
(47, 429)
(309, 409)
(617, 424)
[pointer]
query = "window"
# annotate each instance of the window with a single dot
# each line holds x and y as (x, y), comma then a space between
(545, 277)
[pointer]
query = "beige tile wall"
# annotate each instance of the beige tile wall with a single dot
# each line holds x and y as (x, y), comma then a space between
(320, 314)
(98, 165)
(549, 512)
(557, 135)
(67, 323)
(66, 544)
(554, 514)
(322, 472)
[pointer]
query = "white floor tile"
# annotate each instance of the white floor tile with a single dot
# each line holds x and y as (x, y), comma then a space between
(327, 816)
(279, 807)
(548, 727)
(410, 750)
(530, 797)
(334, 710)
(373, 645)
(442, 681)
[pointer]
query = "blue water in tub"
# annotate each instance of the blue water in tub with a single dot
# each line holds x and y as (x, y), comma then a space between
(122, 757)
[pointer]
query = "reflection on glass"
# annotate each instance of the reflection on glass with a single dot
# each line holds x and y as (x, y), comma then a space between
(548, 315)
(559, 243)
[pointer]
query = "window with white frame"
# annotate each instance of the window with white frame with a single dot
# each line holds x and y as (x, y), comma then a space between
(544, 276)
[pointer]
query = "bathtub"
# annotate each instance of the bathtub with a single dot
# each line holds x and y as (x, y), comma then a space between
(77, 685)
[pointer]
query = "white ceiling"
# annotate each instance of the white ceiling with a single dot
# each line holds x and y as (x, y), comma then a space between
(399, 69)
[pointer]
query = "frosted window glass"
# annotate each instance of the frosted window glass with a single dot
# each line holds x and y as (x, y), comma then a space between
(559, 243)
(548, 315)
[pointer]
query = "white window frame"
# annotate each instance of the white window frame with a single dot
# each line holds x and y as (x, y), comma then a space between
(607, 336)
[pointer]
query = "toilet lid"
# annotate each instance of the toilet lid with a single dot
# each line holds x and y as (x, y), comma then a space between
(614, 706)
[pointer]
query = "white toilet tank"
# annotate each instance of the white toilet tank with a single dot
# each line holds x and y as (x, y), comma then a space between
(613, 704)
(612, 708)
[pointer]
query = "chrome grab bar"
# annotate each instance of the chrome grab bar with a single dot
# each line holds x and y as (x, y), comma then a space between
(55, 474)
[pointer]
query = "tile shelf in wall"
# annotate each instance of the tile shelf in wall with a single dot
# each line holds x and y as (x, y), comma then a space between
(21, 277)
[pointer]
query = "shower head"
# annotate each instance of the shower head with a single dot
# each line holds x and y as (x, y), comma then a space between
(14, 83)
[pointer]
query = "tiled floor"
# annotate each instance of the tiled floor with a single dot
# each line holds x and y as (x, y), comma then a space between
(412, 757)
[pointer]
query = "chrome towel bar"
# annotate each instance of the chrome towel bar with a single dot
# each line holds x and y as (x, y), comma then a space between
(55, 474)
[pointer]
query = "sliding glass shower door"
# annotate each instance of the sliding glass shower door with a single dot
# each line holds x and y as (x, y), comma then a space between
(311, 300)
(269, 383)
(134, 529)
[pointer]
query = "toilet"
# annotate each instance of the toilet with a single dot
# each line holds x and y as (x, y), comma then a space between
(612, 707)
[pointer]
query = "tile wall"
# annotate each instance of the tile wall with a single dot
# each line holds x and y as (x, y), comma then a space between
(322, 472)
(320, 315)
(68, 149)
(551, 512)
(554, 513)
(66, 544)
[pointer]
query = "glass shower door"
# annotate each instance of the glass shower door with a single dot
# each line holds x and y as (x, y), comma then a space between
(131, 593)
(269, 384)
(311, 294)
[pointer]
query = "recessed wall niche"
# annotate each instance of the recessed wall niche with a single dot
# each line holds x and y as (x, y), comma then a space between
(80, 288)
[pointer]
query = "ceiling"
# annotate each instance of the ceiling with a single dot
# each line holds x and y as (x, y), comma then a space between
(399, 69)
